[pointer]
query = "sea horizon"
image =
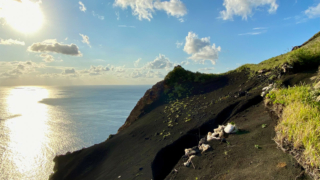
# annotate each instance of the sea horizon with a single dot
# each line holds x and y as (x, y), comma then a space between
(39, 122)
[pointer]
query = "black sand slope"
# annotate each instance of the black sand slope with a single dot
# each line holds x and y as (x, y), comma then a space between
(140, 152)
(174, 116)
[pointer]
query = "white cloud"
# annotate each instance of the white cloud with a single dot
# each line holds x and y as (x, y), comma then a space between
(244, 8)
(179, 44)
(95, 70)
(184, 63)
(11, 42)
(313, 12)
(194, 44)
(161, 62)
(69, 71)
(207, 53)
(82, 7)
(145, 8)
(97, 15)
(118, 15)
(146, 74)
(18, 68)
(252, 33)
(124, 26)
(136, 63)
(47, 57)
(181, 20)
(258, 28)
(85, 39)
(200, 49)
(206, 69)
(51, 45)
(173, 7)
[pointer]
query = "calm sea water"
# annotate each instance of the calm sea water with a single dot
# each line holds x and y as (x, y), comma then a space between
(38, 123)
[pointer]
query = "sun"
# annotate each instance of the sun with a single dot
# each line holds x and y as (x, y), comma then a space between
(24, 16)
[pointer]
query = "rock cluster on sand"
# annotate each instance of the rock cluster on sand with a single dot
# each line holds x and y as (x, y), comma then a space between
(218, 134)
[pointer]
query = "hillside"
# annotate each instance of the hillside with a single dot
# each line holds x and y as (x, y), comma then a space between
(176, 112)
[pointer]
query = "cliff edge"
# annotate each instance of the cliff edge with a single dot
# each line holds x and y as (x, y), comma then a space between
(178, 111)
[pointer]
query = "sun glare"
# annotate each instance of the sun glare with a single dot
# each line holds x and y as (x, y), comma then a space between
(24, 16)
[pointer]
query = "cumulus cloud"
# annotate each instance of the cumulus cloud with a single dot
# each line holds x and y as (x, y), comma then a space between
(173, 7)
(313, 12)
(194, 44)
(85, 39)
(99, 70)
(51, 45)
(145, 8)
(146, 74)
(96, 70)
(47, 57)
(69, 71)
(19, 68)
(82, 7)
(200, 49)
(11, 42)
(97, 15)
(244, 8)
(136, 63)
(161, 62)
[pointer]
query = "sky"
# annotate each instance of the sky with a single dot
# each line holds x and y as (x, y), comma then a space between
(133, 42)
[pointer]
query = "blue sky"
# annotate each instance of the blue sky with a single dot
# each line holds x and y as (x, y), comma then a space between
(92, 42)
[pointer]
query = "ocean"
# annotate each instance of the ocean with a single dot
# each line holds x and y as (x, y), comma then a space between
(38, 123)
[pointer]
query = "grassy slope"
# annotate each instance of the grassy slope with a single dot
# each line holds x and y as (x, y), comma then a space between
(299, 126)
(306, 55)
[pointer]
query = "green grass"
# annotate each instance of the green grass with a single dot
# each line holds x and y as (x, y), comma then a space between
(308, 54)
(180, 75)
(300, 120)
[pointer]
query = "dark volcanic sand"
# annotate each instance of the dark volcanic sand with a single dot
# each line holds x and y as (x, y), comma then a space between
(138, 153)
(239, 159)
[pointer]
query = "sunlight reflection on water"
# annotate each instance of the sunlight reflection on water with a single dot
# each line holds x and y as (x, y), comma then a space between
(28, 134)
(38, 123)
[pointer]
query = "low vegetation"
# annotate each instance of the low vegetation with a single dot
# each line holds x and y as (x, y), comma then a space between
(179, 75)
(308, 54)
(299, 125)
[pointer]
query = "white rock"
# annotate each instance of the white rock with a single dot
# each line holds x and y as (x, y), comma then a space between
(212, 136)
(187, 164)
(230, 129)
(204, 147)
